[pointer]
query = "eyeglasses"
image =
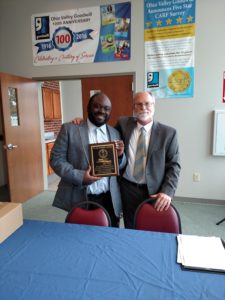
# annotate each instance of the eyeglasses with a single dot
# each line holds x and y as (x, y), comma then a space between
(99, 107)
(146, 104)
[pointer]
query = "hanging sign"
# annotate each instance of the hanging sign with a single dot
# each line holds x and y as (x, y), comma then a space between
(84, 35)
(169, 28)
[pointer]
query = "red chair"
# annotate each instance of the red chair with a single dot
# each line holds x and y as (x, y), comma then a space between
(88, 213)
(149, 219)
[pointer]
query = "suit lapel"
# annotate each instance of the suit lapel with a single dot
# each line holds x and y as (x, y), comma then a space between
(110, 133)
(83, 129)
(153, 139)
(131, 124)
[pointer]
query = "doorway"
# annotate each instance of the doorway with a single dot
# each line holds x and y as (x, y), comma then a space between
(75, 94)
(118, 88)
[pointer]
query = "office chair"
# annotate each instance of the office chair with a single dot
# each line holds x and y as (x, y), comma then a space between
(88, 213)
(149, 219)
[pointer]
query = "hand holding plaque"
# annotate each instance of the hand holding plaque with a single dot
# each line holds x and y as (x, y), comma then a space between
(104, 159)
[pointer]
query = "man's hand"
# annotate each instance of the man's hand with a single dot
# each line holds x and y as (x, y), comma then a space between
(77, 121)
(162, 201)
(88, 178)
(119, 147)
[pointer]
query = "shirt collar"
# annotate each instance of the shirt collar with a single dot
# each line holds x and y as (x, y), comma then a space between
(147, 127)
(92, 127)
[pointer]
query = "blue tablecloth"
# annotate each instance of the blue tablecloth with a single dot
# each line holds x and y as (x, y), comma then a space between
(44, 260)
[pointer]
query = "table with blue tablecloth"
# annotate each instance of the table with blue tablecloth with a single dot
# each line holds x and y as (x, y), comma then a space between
(48, 260)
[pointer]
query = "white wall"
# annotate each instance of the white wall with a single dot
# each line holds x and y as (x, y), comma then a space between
(71, 95)
(193, 117)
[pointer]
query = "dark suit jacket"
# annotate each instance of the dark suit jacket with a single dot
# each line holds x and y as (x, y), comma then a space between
(163, 162)
(70, 158)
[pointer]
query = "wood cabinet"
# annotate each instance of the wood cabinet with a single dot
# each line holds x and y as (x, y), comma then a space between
(51, 104)
(48, 152)
(56, 105)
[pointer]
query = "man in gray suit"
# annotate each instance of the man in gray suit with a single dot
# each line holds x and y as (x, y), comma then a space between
(159, 175)
(70, 160)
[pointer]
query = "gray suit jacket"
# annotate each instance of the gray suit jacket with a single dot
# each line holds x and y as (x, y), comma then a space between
(163, 162)
(70, 158)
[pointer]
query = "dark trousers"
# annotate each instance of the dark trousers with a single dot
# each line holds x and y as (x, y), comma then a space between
(132, 195)
(105, 200)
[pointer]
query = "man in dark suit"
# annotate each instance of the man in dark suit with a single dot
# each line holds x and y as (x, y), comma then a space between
(159, 173)
(70, 160)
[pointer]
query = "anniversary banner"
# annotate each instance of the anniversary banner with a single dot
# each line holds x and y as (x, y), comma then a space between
(169, 27)
(84, 35)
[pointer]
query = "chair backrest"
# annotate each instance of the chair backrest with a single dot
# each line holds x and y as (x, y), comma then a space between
(149, 219)
(88, 213)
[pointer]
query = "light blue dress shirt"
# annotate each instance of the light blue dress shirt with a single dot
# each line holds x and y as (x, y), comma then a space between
(98, 135)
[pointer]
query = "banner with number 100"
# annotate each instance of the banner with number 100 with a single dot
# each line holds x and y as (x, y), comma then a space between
(85, 35)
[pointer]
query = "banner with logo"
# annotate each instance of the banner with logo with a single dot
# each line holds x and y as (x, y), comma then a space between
(169, 33)
(84, 35)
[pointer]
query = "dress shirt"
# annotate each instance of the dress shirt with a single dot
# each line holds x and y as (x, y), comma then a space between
(132, 151)
(98, 135)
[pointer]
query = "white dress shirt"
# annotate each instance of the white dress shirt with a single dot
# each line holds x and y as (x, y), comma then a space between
(132, 151)
(98, 135)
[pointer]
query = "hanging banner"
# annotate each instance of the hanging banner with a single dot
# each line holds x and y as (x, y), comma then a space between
(84, 35)
(169, 33)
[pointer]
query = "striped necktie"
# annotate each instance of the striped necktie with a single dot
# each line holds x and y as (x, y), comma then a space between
(139, 164)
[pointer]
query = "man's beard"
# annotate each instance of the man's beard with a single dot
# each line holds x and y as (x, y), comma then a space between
(92, 118)
(143, 116)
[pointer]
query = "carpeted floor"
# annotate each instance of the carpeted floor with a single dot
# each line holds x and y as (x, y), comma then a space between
(197, 219)
(201, 219)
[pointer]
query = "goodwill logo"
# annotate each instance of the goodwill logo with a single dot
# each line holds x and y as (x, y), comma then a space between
(83, 35)
(63, 39)
(56, 35)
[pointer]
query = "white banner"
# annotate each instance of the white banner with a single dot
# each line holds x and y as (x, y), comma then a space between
(85, 35)
(169, 48)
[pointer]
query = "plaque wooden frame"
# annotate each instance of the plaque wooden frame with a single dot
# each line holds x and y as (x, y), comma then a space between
(104, 159)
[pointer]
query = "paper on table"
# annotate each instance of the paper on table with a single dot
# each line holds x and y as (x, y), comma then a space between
(201, 252)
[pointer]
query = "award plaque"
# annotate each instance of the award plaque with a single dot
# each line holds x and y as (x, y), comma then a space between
(103, 159)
